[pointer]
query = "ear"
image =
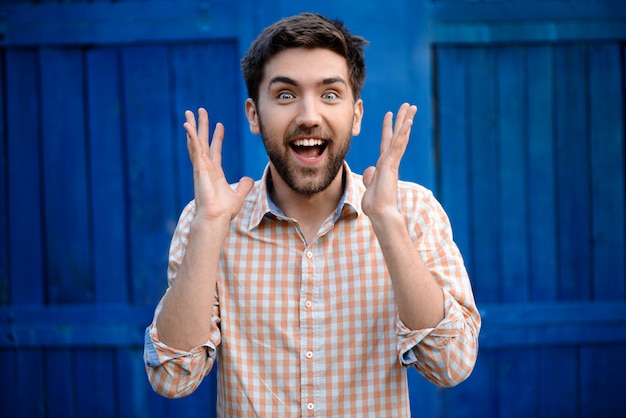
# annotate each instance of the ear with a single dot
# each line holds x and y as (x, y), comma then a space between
(358, 117)
(253, 117)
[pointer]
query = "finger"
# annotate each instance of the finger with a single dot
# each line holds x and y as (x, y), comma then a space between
(215, 150)
(368, 176)
(244, 186)
(203, 125)
(192, 134)
(387, 135)
(402, 112)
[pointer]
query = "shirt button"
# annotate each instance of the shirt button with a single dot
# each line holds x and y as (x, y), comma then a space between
(310, 406)
(309, 254)
(309, 354)
(308, 304)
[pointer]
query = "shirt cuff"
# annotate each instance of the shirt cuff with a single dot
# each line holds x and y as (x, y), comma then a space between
(157, 353)
(450, 326)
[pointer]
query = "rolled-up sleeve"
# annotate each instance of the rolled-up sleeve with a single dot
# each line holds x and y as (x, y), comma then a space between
(446, 354)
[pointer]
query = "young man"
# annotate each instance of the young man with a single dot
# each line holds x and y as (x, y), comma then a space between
(314, 287)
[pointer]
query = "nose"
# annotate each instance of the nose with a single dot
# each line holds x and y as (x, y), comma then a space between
(309, 112)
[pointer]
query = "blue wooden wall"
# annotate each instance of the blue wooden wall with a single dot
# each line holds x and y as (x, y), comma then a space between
(520, 134)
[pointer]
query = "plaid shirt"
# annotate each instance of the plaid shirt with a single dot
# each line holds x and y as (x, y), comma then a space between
(311, 329)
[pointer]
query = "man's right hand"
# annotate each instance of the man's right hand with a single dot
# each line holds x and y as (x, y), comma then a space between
(215, 198)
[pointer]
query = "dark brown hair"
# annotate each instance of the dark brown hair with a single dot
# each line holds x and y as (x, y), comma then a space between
(306, 30)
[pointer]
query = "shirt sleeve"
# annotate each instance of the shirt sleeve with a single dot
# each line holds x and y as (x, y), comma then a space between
(446, 354)
(176, 373)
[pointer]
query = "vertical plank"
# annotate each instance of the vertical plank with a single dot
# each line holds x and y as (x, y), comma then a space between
(108, 176)
(198, 81)
(541, 174)
(517, 383)
(485, 172)
(8, 382)
(24, 177)
(30, 385)
(68, 242)
(558, 381)
(602, 384)
(5, 281)
(95, 383)
(512, 110)
(60, 384)
(132, 388)
(607, 170)
(148, 127)
(573, 218)
(452, 146)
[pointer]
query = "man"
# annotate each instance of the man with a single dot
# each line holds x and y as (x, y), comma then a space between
(315, 287)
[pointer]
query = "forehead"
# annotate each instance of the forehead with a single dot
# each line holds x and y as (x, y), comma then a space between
(306, 66)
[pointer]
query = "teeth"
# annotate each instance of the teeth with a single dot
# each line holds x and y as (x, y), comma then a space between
(308, 142)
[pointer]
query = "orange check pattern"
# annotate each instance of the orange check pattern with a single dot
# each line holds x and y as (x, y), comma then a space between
(311, 329)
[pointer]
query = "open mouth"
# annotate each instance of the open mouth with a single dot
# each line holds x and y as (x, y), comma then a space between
(309, 148)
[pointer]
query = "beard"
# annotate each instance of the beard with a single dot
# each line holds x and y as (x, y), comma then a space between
(306, 181)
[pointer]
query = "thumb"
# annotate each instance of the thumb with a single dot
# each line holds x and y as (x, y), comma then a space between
(368, 175)
(244, 186)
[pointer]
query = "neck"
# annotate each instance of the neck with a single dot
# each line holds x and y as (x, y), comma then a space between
(309, 210)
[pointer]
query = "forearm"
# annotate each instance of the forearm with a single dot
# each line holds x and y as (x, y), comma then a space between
(185, 319)
(418, 296)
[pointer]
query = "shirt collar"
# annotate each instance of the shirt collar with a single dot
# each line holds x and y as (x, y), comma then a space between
(263, 206)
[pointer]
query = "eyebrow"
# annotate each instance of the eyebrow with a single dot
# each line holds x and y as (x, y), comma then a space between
(292, 82)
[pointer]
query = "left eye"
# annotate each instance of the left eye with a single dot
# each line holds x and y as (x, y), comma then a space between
(330, 96)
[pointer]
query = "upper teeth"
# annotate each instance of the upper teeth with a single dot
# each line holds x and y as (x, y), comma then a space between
(308, 142)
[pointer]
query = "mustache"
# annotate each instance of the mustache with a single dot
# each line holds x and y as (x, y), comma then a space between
(312, 132)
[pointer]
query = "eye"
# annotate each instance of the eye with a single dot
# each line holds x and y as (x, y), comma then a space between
(285, 95)
(330, 96)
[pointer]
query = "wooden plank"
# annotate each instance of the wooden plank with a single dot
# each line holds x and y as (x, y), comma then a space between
(514, 195)
(557, 381)
(529, 325)
(452, 147)
(5, 278)
(517, 371)
(573, 218)
(118, 22)
(519, 10)
(74, 325)
(132, 388)
(207, 75)
(108, 176)
(148, 126)
(602, 385)
(484, 168)
(95, 383)
(541, 174)
(68, 241)
(60, 383)
(24, 177)
(30, 388)
(606, 130)
(8, 383)
(538, 31)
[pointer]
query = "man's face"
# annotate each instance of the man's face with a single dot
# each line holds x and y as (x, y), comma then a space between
(306, 116)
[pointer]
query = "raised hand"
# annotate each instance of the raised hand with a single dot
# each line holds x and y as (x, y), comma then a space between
(215, 198)
(380, 198)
